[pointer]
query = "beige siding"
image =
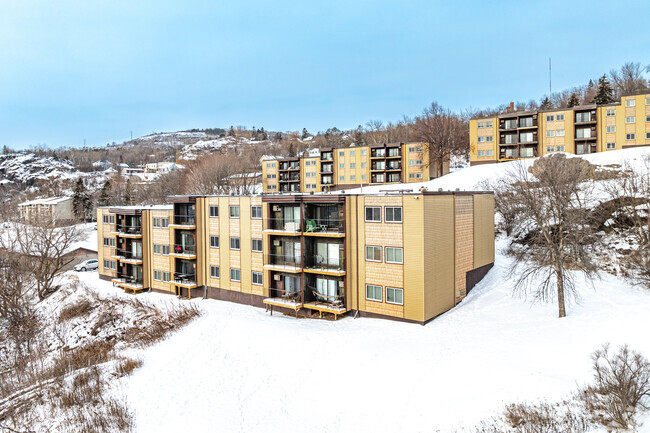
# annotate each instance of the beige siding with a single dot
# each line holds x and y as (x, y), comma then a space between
(464, 243)
(483, 229)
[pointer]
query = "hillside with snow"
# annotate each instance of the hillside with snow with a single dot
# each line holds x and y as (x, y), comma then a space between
(28, 168)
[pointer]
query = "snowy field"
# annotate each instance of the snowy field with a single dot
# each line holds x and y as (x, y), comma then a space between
(237, 369)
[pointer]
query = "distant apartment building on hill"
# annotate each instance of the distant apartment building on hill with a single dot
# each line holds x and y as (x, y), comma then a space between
(50, 209)
(581, 130)
(328, 169)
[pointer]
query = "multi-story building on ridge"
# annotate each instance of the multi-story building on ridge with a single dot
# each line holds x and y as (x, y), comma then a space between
(328, 169)
(407, 256)
(581, 130)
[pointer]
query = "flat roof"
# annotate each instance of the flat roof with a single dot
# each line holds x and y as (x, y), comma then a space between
(45, 201)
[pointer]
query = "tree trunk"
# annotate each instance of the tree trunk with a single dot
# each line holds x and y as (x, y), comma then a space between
(560, 292)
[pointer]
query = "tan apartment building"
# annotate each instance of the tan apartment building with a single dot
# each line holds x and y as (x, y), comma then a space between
(54, 209)
(405, 256)
(581, 130)
(329, 169)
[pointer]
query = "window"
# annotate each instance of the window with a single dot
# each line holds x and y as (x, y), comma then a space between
(611, 145)
(157, 249)
(342, 154)
(630, 103)
(488, 138)
(164, 222)
(235, 274)
(487, 153)
(214, 211)
(234, 211)
(550, 133)
(342, 178)
(611, 129)
(373, 293)
(256, 245)
(109, 264)
(214, 272)
(630, 119)
(364, 177)
(353, 165)
(109, 242)
(418, 162)
(256, 211)
(487, 125)
(647, 101)
(157, 275)
(559, 117)
(610, 113)
(559, 133)
(526, 137)
(109, 219)
(364, 164)
(167, 276)
(419, 175)
(258, 278)
(481, 139)
(481, 124)
(647, 119)
(526, 152)
(373, 254)
(550, 118)
(647, 135)
(214, 241)
(234, 243)
(270, 176)
(559, 148)
(373, 214)
(353, 177)
(630, 136)
(583, 133)
(342, 165)
(393, 214)
(364, 151)
(550, 149)
(156, 222)
(394, 255)
(394, 296)
(412, 175)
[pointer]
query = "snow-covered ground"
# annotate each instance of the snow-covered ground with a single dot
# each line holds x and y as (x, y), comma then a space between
(237, 369)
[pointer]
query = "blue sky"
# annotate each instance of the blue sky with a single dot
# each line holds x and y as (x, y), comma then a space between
(96, 70)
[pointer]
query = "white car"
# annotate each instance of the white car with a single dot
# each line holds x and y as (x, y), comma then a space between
(88, 264)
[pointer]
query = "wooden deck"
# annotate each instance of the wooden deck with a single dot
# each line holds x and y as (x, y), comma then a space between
(323, 307)
(282, 303)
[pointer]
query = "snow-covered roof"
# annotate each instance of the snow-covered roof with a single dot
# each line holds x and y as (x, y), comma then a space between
(141, 207)
(45, 201)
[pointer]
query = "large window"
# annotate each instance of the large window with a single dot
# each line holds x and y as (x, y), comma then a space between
(373, 254)
(215, 272)
(373, 293)
(526, 137)
(256, 211)
(583, 133)
(258, 278)
(394, 255)
(235, 274)
(214, 241)
(256, 245)
(235, 244)
(214, 211)
(393, 214)
(394, 296)
(234, 211)
(373, 214)
(157, 275)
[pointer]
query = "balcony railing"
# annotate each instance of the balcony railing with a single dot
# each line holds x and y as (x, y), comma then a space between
(184, 220)
(183, 250)
(283, 225)
(325, 263)
(184, 279)
(127, 279)
(326, 157)
(128, 229)
(326, 225)
(127, 254)
(285, 261)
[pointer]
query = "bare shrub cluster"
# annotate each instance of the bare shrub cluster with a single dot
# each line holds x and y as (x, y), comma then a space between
(619, 393)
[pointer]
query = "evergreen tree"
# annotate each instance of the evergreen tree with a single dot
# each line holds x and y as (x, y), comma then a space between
(573, 101)
(292, 151)
(604, 92)
(105, 194)
(546, 104)
(80, 200)
(231, 131)
(305, 133)
(128, 192)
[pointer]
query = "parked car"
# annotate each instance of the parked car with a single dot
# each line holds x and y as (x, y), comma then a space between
(88, 264)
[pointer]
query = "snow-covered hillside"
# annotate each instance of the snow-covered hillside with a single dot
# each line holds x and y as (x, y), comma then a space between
(27, 168)
(239, 369)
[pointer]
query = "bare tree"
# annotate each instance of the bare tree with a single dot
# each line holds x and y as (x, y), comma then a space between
(444, 133)
(45, 247)
(628, 79)
(552, 232)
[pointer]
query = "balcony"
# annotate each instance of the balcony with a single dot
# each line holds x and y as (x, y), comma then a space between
(128, 282)
(327, 156)
(184, 222)
(394, 167)
(326, 227)
(325, 265)
(326, 168)
(183, 251)
(284, 263)
(283, 225)
(185, 280)
(394, 153)
(127, 256)
(509, 124)
(127, 231)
